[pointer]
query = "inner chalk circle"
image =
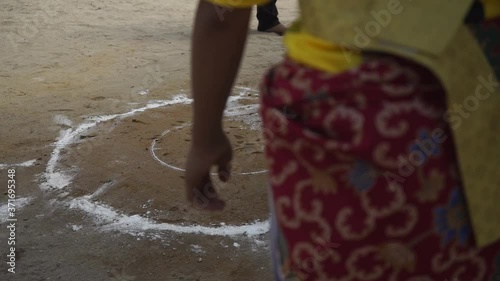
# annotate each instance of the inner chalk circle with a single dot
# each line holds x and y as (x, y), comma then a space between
(57, 177)
(154, 148)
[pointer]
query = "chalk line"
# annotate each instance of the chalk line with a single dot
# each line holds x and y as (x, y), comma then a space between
(153, 149)
(55, 179)
(19, 203)
(234, 109)
(113, 220)
(29, 163)
(103, 189)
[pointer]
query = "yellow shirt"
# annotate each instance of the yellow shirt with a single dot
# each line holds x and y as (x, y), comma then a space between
(305, 48)
(491, 8)
(312, 51)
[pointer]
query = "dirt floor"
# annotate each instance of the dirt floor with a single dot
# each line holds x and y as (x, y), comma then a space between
(95, 120)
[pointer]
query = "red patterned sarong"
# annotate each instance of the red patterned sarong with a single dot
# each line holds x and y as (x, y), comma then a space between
(364, 178)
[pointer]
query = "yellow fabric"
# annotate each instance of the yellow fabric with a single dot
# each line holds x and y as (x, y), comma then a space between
(317, 53)
(238, 3)
(491, 8)
(472, 88)
(424, 26)
(305, 48)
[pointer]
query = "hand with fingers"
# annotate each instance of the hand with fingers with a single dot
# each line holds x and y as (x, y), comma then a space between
(200, 190)
(217, 48)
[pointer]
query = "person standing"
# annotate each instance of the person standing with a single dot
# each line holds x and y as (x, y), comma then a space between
(380, 167)
(267, 15)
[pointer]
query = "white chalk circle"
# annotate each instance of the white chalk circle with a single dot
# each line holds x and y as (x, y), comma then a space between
(241, 109)
(57, 179)
(154, 148)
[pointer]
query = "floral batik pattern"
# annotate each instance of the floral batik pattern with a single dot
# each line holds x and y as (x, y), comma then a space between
(364, 178)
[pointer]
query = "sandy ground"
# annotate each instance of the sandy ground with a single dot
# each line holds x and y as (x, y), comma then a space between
(95, 120)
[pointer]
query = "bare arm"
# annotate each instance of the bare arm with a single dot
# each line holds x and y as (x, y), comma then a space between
(218, 45)
(216, 54)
